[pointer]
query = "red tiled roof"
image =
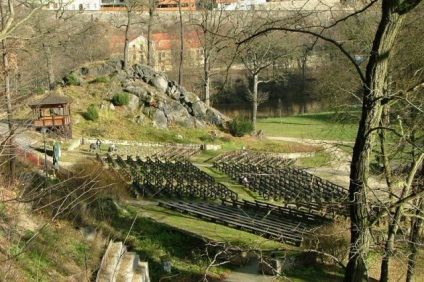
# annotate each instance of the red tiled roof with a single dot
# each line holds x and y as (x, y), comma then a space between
(116, 42)
(163, 41)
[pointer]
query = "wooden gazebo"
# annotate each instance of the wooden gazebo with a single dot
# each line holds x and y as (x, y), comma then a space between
(53, 113)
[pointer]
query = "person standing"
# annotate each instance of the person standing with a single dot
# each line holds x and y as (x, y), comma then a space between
(99, 145)
(56, 156)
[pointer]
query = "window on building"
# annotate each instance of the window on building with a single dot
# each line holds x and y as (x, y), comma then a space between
(200, 53)
(162, 55)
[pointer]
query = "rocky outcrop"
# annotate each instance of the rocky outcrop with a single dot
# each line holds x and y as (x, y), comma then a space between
(162, 101)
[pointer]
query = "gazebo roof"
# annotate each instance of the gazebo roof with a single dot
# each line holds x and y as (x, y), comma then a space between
(51, 100)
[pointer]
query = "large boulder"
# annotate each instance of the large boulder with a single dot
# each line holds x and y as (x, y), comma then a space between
(143, 72)
(150, 76)
(214, 117)
(159, 119)
(93, 70)
(199, 109)
(190, 98)
(133, 103)
(176, 113)
(174, 91)
(160, 82)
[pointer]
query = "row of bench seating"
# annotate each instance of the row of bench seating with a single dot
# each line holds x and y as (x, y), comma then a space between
(253, 158)
(180, 178)
(288, 184)
(251, 217)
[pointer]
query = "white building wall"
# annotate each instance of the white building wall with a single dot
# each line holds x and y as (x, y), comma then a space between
(288, 5)
(137, 49)
(74, 5)
(242, 5)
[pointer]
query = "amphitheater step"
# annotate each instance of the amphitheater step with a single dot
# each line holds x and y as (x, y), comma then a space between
(127, 266)
(141, 273)
(110, 262)
(118, 265)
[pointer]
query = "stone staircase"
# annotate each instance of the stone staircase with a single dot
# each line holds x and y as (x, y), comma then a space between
(119, 265)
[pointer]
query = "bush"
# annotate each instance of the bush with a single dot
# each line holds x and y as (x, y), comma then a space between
(100, 79)
(332, 239)
(92, 113)
(240, 126)
(121, 99)
(72, 80)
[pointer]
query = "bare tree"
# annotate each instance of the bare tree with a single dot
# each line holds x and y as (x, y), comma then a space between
(152, 9)
(374, 99)
(213, 29)
(10, 23)
(257, 56)
(181, 62)
(132, 7)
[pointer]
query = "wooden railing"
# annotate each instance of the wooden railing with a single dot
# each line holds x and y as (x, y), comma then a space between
(52, 121)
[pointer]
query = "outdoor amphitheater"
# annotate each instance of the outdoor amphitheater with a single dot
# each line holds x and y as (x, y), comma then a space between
(293, 201)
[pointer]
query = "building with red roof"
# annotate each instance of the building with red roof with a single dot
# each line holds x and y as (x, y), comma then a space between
(166, 48)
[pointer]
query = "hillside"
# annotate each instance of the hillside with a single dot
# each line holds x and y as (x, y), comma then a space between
(153, 100)
(57, 230)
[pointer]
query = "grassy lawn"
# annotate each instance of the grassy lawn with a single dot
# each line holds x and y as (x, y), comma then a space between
(209, 230)
(321, 126)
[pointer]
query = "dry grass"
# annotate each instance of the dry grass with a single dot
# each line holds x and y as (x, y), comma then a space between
(397, 266)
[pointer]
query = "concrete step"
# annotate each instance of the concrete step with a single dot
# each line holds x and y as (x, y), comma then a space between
(108, 269)
(141, 273)
(127, 266)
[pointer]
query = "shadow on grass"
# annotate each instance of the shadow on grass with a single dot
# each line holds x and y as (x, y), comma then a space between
(316, 274)
(351, 117)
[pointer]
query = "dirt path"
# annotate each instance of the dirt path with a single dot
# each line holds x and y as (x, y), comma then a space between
(338, 169)
(248, 273)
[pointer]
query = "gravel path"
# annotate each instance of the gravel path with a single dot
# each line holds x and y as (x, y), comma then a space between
(21, 139)
(339, 167)
(248, 273)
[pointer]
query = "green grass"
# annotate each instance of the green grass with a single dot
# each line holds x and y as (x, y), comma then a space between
(158, 231)
(209, 230)
(320, 126)
(58, 252)
(318, 160)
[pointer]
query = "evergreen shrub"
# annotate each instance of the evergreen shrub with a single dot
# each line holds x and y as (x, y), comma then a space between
(121, 99)
(72, 80)
(100, 79)
(92, 113)
(240, 126)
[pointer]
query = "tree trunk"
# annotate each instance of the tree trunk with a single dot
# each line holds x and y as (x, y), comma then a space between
(11, 138)
(149, 32)
(127, 39)
(180, 67)
(255, 100)
(207, 80)
(49, 66)
(373, 90)
(302, 68)
(393, 226)
(6, 71)
(416, 229)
